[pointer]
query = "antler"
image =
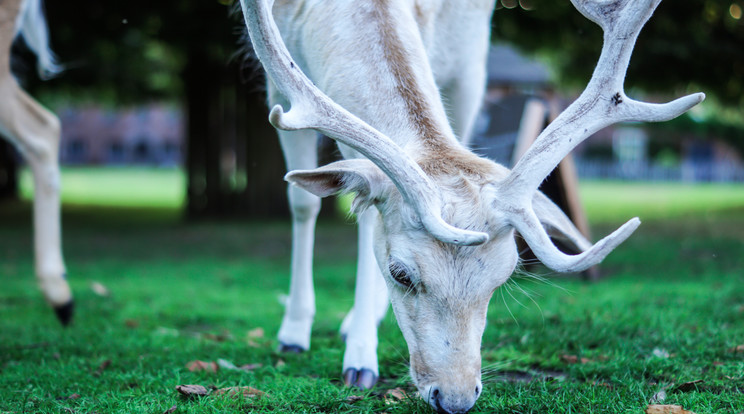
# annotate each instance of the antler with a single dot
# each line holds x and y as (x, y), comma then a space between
(603, 103)
(311, 108)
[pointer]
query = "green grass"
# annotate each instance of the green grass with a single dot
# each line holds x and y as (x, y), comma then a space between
(119, 187)
(184, 292)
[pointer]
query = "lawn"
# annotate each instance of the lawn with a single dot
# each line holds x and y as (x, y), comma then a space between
(667, 316)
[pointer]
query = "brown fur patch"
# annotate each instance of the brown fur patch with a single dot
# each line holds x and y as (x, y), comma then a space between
(419, 110)
(440, 155)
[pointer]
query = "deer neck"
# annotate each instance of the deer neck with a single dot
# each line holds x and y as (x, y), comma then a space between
(369, 57)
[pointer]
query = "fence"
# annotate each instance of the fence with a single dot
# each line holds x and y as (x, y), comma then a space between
(645, 171)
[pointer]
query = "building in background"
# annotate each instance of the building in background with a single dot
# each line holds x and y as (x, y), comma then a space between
(517, 89)
(151, 135)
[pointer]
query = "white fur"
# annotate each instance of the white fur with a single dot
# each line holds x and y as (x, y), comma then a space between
(31, 25)
(35, 132)
(443, 239)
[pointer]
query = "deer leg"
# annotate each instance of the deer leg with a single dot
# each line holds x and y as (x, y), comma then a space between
(370, 304)
(35, 132)
(465, 96)
(381, 302)
(300, 152)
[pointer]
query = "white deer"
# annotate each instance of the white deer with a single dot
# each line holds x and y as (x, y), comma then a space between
(399, 82)
(35, 132)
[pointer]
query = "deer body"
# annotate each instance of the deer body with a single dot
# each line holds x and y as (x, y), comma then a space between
(35, 131)
(399, 96)
(399, 83)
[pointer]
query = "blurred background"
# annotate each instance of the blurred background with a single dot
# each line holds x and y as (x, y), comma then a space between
(160, 107)
(177, 239)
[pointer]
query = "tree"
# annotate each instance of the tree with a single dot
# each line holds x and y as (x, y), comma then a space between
(184, 51)
(687, 46)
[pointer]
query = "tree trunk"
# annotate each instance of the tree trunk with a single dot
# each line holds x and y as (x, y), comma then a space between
(8, 171)
(234, 163)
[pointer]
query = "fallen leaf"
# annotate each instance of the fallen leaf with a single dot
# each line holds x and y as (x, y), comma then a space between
(248, 392)
(225, 336)
(99, 289)
(395, 393)
(105, 364)
(354, 398)
(573, 359)
(280, 363)
(666, 409)
(171, 410)
(603, 384)
(660, 353)
(74, 396)
(659, 397)
(256, 333)
(225, 364)
(737, 349)
(688, 386)
(196, 366)
(192, 390)
(131, 323)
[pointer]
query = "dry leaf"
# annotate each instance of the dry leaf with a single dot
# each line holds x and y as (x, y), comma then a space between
(737, 349)
(688, 386)
(105, 364)
(171, 410)
(395, 393)
(603, 384)
(666, 409)
(249, 392)
(256, 333)
(74, 396)
(659, 397)
(280, 363)
(192, 390)
(99, 289)
(209, 366)
(354, 398)
(249, 367)
(131, 323)
(224, 336)
(573, 359)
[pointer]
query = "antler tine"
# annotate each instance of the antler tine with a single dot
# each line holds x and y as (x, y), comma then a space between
(602, 103)
(311, 108)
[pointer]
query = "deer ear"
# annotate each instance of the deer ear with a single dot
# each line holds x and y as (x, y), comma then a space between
(358, 175)
(557, 224)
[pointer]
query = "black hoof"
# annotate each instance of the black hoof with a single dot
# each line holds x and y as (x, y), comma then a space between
(64, 312)
(363, 379)
(291, 349)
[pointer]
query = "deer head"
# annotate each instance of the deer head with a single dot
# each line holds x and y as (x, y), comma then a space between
(445, 238)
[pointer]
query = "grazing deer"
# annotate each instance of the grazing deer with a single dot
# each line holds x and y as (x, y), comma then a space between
(35, 132)
(398, 84)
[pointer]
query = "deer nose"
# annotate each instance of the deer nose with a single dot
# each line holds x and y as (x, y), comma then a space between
(451, 401)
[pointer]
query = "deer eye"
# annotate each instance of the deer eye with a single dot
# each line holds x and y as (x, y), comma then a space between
(400, 274)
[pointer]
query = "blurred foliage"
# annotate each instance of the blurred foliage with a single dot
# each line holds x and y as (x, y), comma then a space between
(687, 46)
(132, 51)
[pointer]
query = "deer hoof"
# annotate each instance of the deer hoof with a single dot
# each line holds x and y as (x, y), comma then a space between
(291, 349)
(65, 312)
(363, 379)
